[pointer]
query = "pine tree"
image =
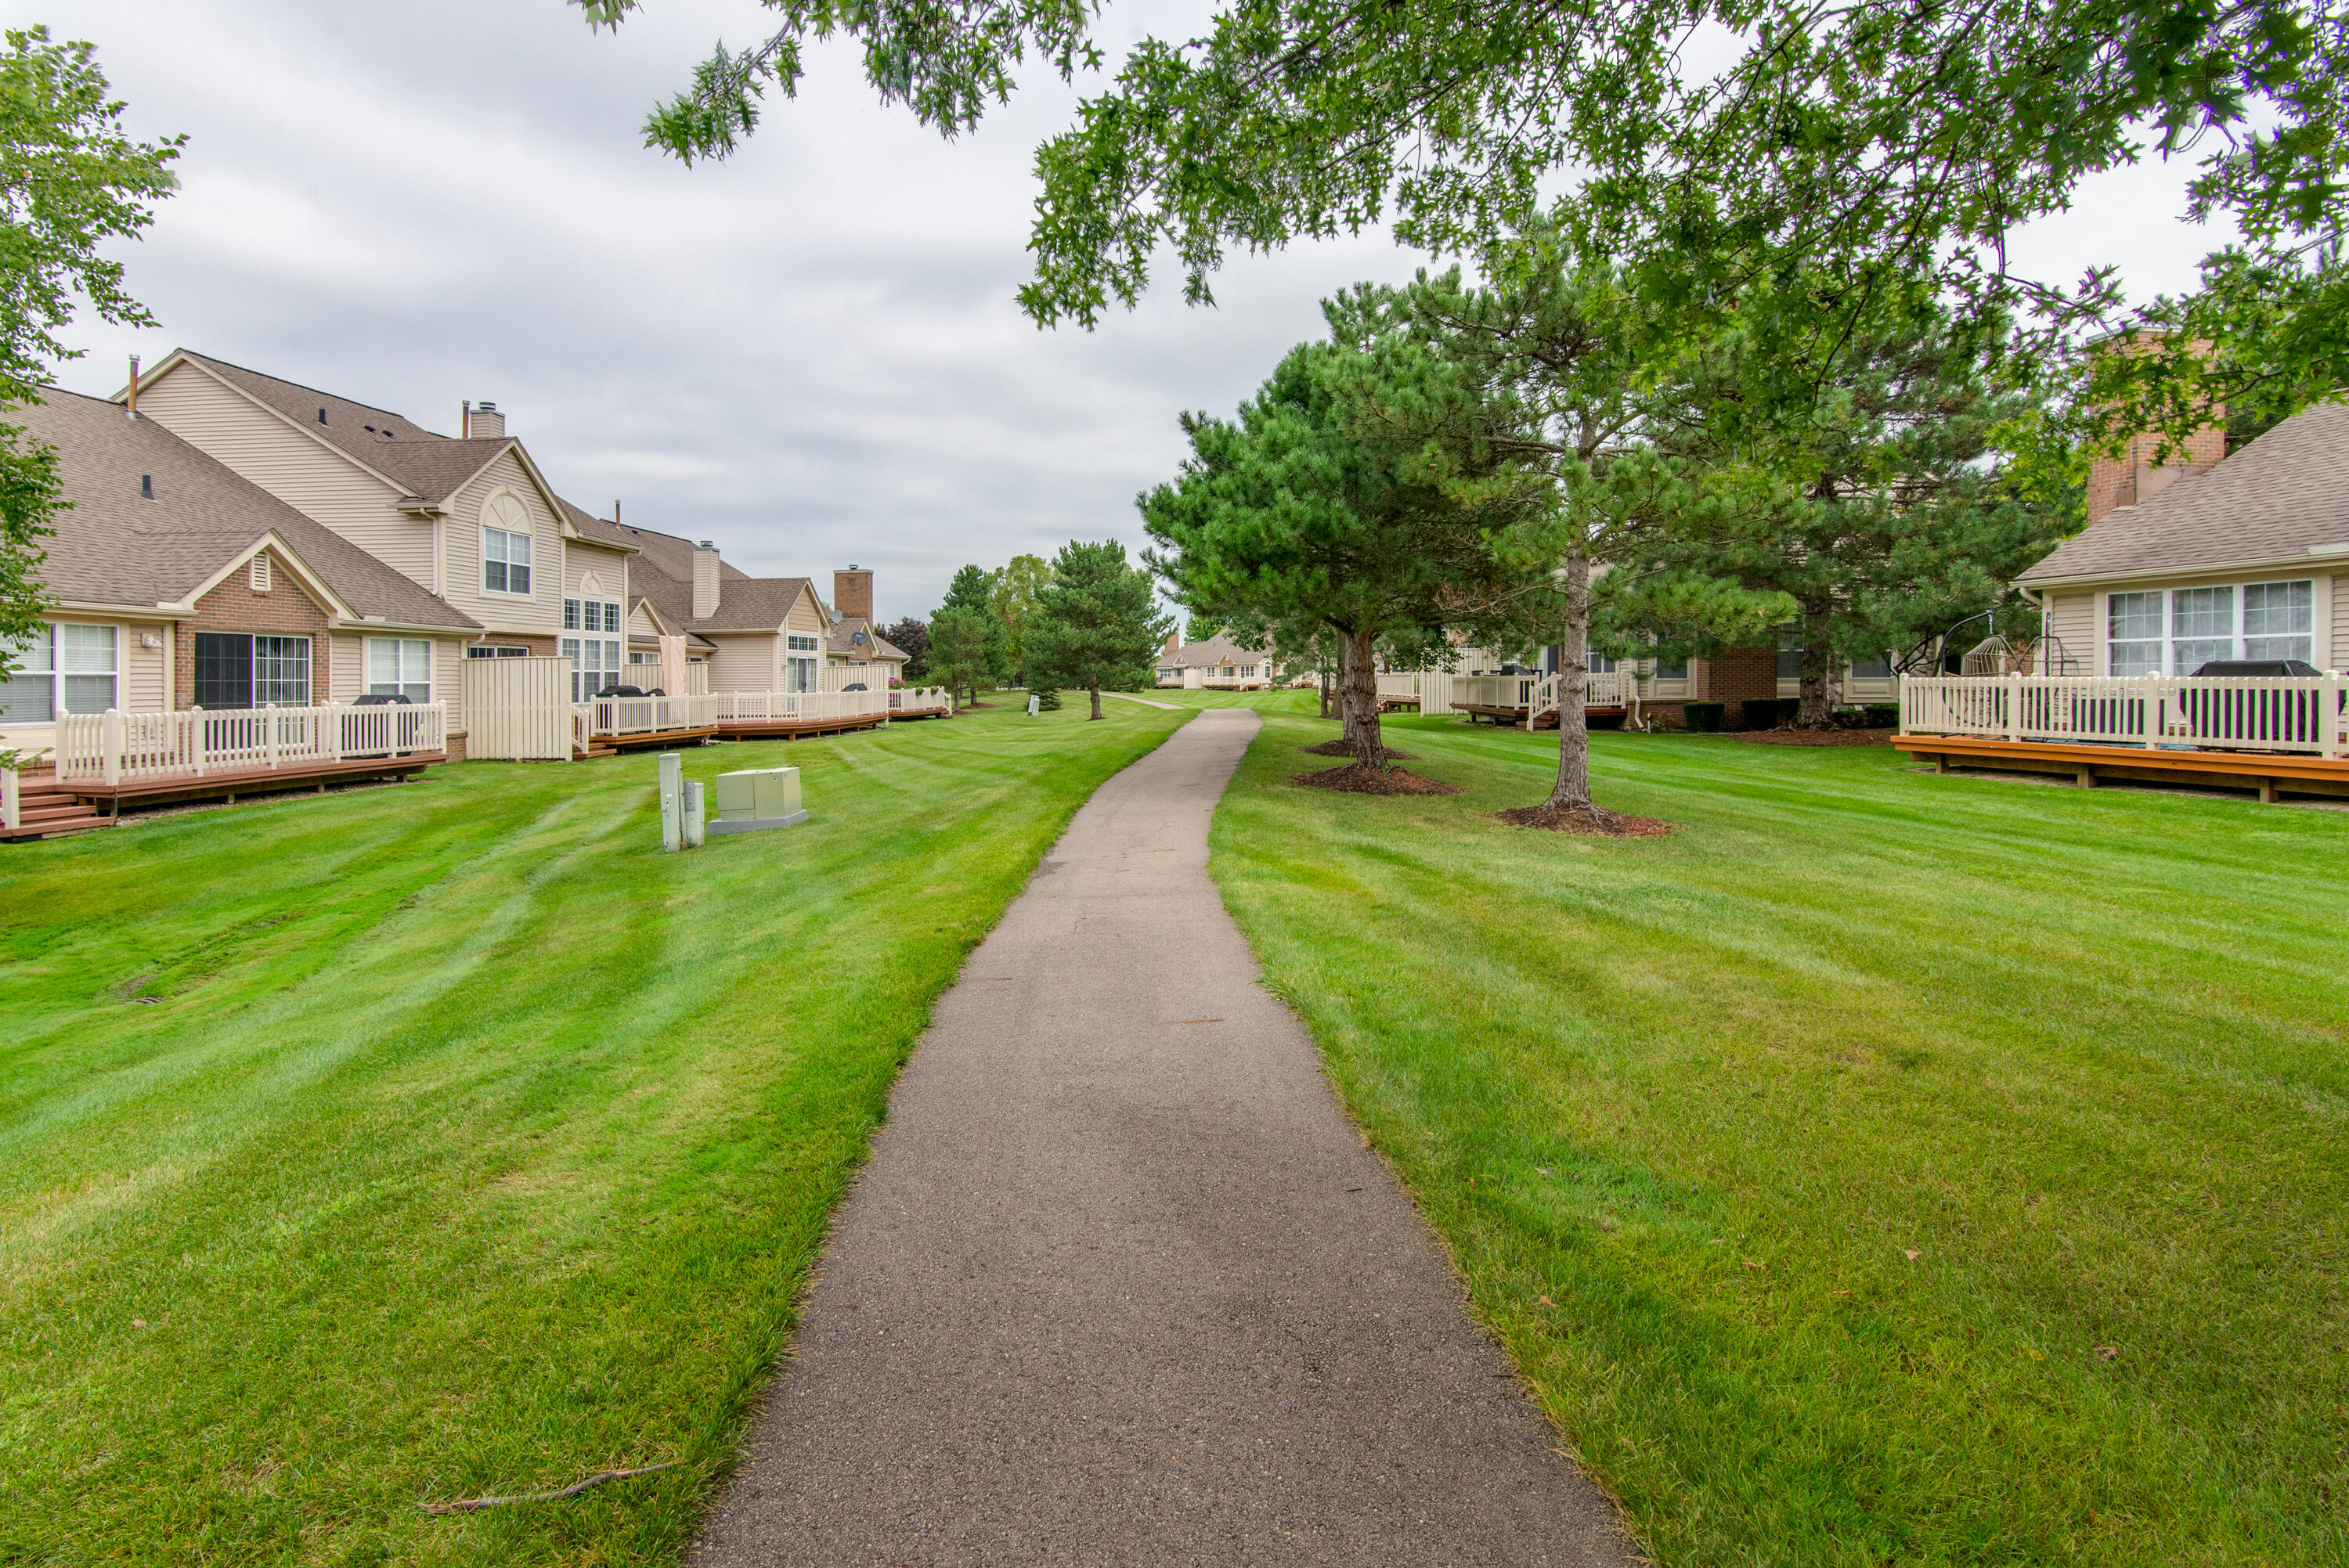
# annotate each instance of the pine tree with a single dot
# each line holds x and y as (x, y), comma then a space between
(1354, 493)
(1097, 621)
(1877, 506)
(972, 592)
(963, 651)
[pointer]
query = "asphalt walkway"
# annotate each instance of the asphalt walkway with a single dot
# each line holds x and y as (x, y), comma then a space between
(1122, 1284)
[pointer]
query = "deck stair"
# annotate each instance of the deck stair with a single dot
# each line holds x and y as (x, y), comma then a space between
(46, 810)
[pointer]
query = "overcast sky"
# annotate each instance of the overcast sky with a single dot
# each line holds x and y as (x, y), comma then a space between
(810, 354)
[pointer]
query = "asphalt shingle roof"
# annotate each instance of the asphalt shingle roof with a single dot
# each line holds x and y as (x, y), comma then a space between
(1219, 649)
(115, 547)
(2283, 494)
(430, 464)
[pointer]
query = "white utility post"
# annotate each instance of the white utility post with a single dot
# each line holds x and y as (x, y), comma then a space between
(672, 801)
(694, 820)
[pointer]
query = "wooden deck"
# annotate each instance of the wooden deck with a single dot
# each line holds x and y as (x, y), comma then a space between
(51, 809)
(1546, 719)
(806, 729)
(2267, 774)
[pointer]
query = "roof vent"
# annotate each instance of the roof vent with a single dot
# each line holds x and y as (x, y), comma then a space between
(146, 487)
(322, 416)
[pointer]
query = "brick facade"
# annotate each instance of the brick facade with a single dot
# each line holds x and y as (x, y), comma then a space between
(2124, 479)
(1734, 674)
(285, 611)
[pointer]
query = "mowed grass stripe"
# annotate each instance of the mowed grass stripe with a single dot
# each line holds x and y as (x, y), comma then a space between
(2084, 1053)
(475, 1145)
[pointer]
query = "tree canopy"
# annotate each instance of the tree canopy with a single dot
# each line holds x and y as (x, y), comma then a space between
(1097, 623)
(70, 181)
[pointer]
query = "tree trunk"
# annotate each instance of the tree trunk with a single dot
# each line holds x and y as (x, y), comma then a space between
(1573, 790)
(1322, 684)
(1095, 689)
(1361, 700)
(1816, 713)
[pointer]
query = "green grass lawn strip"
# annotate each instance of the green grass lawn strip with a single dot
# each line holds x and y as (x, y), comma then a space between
(2084, 1053)
(474, 1145)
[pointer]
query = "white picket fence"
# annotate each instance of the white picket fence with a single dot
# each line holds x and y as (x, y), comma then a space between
(2240, 712)
(799, 707)
(115, 747)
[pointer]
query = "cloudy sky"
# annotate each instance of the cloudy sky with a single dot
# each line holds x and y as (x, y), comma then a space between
(810, 354)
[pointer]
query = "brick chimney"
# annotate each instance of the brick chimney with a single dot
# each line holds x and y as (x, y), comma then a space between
(485, 422)
(705, 580)
(1174, 642)
(2132, 475)
(852, 592)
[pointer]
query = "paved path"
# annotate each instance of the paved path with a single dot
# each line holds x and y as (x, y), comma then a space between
(1145, 701)
(1122, 1284)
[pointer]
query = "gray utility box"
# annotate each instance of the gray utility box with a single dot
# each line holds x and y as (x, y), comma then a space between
(756, 798)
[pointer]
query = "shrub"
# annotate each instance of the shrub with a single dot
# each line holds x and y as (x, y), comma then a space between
(1703, 718)
(1879, 715)
(1047, 699)
(1760, 712)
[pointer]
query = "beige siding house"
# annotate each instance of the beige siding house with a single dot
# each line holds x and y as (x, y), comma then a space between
(470, 519)
(180, 583)
(2245, 559)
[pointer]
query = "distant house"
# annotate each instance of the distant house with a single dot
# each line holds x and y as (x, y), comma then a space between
(1215, 662)
(180, 583)
(2237, 557)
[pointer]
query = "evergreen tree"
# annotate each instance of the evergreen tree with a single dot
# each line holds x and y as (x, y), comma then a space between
(972, 593)
(1878, 507)
(1354, 493)
(1097, 621)
(1573, 345)
(964, 650)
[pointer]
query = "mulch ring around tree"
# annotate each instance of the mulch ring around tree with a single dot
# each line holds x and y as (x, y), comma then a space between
(1583, 819)
(1342, 749)
(1357, 779)
(1816, 737)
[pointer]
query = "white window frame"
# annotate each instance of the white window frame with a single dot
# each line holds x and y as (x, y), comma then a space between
(62, 664)
(506, 561)
(401, 651)
(606, 670)
(802, 643)
(2238, 622)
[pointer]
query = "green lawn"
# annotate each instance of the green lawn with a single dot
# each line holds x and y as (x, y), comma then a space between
(1812, 1160)
(471, 1145)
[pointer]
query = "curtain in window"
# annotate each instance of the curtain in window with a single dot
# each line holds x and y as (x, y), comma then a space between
(2133, 634)
(2201, 627)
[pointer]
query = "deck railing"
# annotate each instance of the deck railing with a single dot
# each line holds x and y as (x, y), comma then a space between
(115, 747)
(625, 715)
(920, 700)
(798, 707)
(2230, 713)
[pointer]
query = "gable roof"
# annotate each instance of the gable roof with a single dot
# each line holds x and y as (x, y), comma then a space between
(842, 639)
(2275, 500)
(427, 465)
(116, 548)
(662, 576)
(1219, 649)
